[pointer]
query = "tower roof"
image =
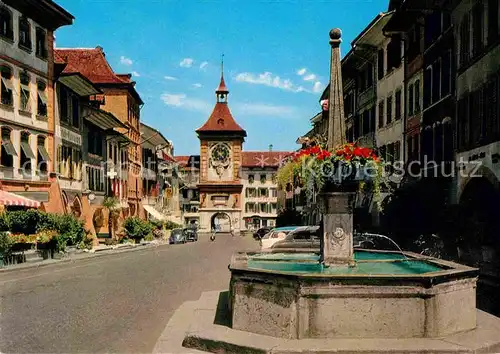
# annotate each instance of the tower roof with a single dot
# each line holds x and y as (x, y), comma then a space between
(221, 120)
(222, 86)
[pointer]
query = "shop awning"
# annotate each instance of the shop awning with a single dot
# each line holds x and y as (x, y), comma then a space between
(154, 213)
(79, 84)
(7, 198)
(102, 119)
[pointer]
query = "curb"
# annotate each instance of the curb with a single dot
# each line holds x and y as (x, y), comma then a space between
(87, 256)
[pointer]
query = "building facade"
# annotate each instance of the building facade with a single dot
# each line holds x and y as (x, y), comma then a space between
(27, 99)
(123, 147)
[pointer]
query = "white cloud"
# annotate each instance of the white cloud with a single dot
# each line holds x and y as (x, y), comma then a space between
(197, 85)
(268, 79)
(126, 61)
(135, 73)
(180, 100)
(310, 77)
(203, 65)
(301, 72)
(264, 109)
(170, 78)
(186, 62)
(318, 87)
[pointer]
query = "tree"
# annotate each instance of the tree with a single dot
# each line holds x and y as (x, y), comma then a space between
(289, 217)
(112, 205)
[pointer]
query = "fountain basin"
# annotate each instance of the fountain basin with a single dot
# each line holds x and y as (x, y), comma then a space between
(290, 295)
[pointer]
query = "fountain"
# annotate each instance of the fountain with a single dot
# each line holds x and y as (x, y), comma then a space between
(340, 299)
(347, 293)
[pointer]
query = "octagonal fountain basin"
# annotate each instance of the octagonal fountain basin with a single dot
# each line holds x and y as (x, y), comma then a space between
(385, 295)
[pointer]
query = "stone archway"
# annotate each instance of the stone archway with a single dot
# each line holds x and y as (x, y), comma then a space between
(223, 220)
(76, 207)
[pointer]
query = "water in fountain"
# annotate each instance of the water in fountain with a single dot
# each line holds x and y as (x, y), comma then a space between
(366, 235)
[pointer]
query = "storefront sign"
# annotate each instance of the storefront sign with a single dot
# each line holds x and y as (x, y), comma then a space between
(70, 136)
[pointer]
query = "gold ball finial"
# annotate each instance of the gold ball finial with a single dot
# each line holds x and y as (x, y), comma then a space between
(335, 34)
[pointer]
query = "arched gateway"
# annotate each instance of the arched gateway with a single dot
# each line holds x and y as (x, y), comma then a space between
(221, 140)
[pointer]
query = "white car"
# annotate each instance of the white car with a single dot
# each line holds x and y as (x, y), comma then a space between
(274, 236)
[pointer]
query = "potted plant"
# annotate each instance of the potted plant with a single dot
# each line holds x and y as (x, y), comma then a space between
(346, 168)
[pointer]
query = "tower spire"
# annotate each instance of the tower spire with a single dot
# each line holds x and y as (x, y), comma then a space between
(222, 90)
(222, 66)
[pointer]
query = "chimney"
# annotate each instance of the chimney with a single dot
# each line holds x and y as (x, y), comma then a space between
(270, 147)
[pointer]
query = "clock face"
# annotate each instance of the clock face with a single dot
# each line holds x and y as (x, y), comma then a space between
(220, 153)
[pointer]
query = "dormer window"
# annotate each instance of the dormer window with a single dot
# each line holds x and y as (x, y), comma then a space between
(6, 24)
(220, 122)
(24, 33)
(41, 43)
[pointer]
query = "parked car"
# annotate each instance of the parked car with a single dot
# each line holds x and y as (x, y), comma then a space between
(301, 237)
(275, 235)
(177, 236)
(191, 234)
(261, 232)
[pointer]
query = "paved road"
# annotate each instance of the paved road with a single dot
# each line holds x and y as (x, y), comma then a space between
(120, 303)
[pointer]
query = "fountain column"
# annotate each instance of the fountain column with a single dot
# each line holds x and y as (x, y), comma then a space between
(337, 200)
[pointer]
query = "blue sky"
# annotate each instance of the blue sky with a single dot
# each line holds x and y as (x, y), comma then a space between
(276, 58)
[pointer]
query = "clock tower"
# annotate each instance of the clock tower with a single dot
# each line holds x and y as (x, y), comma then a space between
(221, 140)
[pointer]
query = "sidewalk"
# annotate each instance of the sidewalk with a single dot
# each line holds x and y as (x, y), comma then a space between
(75, 255)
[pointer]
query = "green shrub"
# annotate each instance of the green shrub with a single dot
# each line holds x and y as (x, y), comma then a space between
(4, 222)
(137, 228)
(70, 231)
(5, 243)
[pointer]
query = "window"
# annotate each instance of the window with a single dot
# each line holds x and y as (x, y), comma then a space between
(432, 28)
(42, 154)
(436, 81)
(76, 111)
(372, 118)
(274, 192)
(25, 96)
(95, 139)
(7, 86)
(389, 109)
(251, 192)
(63, 104)
(263, 192)
(263, 208)
(416, 87)
(464, 51)
(397, 113)
(492, 21)
(251, 179)
(8, 151)
(26, 152)
(428, 87)
(41, 43)
(24, 33)
(477, 29)
(446, 74)
(366, 122)
(393, 54)
(380, 63)
(410, 100)
(6, 23)
(381, 113)
(94, 179)
(263, 179)
(42, 99)
(397, 151)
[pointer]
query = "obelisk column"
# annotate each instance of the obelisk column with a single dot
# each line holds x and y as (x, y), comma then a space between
(336, 126)
(337, 200)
